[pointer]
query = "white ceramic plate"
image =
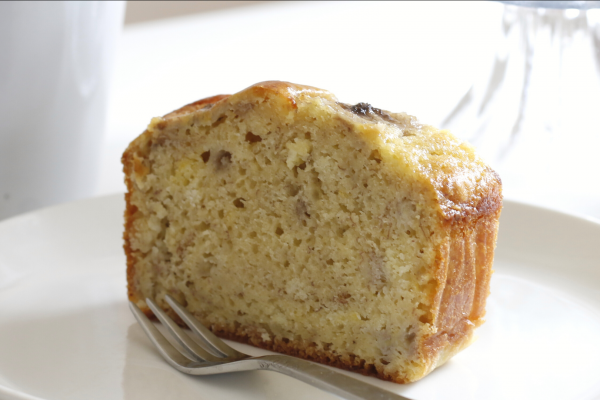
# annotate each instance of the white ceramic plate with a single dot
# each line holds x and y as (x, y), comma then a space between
(66, 331)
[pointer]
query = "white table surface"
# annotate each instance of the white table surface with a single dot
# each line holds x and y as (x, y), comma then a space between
(417, 57)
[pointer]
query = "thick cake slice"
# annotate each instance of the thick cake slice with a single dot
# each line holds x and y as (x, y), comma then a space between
(338, 233)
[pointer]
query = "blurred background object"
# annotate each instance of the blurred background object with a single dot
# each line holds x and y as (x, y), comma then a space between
(55, 64)
(534, 112)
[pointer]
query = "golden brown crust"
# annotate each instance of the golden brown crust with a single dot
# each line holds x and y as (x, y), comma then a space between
(463, 278)
(130, 211)
(302, 350)
(202, 103)
(485, 200)
(290, 91)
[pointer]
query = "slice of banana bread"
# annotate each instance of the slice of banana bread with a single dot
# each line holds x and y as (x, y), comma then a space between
(282, 218)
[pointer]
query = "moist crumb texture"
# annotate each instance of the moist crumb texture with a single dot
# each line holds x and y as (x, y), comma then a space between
(343, 234)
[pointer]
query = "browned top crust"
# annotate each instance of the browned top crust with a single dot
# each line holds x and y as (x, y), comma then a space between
(464, 185)
(206, 103)
(285, 90)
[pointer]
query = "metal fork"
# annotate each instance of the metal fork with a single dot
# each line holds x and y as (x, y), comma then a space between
(213, 356)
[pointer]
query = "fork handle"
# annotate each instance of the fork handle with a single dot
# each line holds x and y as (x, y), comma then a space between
(324, 378)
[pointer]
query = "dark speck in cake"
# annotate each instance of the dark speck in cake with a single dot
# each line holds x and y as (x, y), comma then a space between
(367, 111)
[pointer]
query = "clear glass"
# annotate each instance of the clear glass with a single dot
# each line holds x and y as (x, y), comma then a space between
(534, 114)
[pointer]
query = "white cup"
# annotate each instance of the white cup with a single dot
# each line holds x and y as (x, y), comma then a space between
(55, 63)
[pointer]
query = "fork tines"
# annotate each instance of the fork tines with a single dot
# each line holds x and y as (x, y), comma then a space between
(209, 355)
(209, 350)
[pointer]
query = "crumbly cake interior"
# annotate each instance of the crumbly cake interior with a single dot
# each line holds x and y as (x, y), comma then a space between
(290, 225)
